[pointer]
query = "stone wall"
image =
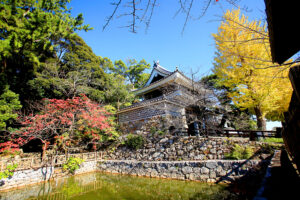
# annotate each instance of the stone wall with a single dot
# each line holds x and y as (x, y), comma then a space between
(31, 176)
(176, 148)
(162, 122)
(49, 188)
(33, 161)
(187, 158)
(205, 171)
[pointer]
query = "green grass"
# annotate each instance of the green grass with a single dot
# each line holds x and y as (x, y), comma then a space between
(273, 140)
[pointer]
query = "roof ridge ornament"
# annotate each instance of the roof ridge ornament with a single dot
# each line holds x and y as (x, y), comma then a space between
(156, 63)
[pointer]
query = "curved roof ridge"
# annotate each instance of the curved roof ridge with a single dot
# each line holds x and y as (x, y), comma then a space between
(157, 69)
(162, 69)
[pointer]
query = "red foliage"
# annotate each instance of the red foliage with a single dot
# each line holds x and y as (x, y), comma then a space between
(68, 122)
(9, 147)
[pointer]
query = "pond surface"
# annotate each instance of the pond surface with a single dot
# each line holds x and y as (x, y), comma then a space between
(108, 186)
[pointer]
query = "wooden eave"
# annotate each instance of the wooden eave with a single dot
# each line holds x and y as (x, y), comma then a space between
(283, 19)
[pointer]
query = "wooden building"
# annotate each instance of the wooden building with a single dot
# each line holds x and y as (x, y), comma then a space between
(166, 104)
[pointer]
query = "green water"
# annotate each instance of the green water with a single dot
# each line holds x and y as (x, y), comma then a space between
(107, 186)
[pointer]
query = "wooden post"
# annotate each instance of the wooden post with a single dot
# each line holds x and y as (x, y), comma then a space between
(253, 135)
(226, 133)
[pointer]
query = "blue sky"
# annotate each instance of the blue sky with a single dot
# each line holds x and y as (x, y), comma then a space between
(194, 50)
(163, 41)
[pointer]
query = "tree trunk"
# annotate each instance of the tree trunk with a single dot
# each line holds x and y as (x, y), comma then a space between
(260, 120)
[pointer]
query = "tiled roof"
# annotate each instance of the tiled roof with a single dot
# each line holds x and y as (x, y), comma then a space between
(162, 70)
(157, 83)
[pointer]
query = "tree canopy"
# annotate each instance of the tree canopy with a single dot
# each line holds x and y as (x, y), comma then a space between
(77, 71)
(30, 32)
(243, 64)
(9, 104)
(134, 71)
(42, 56)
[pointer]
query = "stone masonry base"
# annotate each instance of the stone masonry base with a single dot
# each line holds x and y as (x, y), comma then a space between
(205, 171)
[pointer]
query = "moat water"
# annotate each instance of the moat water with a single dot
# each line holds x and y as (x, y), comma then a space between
(99, 186)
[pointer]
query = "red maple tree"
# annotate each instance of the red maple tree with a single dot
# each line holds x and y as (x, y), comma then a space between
(65, 123)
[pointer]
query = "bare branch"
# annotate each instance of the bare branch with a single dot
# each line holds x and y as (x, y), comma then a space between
(187, 16)
(133, 16)
(149, 5)
(146, 10)
(151, 14)
(205, 9)
(109, 19)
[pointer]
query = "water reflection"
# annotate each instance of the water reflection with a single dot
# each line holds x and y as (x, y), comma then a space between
(107, 186)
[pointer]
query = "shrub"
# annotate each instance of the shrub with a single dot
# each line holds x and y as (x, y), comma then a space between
(9, 171)
(134, 141)
(152, 130)
(238, 152)
(72, 164)
(161, 132)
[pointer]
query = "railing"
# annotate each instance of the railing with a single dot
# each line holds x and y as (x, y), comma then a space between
(50, 160)
(249, 133)
(252, 134)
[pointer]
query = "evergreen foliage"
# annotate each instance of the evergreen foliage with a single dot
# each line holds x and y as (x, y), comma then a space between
(9, 104)
(238, 118)
(42, 57)
(78, 71)
(134, 141)
(31, 32)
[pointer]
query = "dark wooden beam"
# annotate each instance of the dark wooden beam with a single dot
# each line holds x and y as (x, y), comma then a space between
(283, 22)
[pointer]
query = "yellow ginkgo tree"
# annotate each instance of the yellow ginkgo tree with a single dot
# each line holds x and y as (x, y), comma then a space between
(243, 64)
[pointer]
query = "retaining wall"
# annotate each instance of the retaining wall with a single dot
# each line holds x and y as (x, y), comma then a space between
(31, 176)
(186, 158)
(205, 171)
(176, 148)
